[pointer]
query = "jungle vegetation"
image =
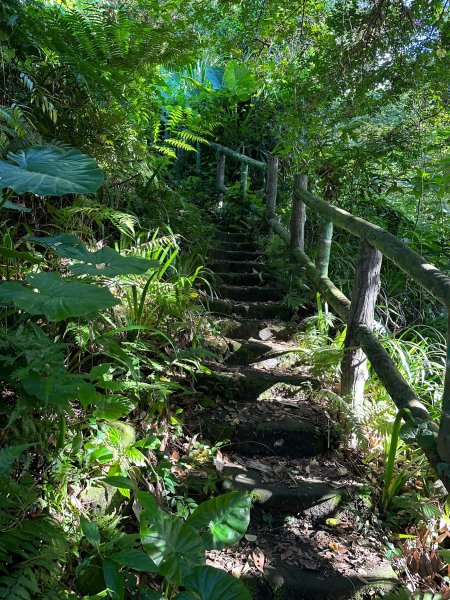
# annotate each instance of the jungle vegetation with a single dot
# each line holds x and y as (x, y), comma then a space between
(107, 203)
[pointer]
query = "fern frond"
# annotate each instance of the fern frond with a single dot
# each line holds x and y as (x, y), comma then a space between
(176, 143)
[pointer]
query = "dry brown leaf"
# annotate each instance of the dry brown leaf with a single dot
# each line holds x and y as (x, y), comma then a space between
(259, 559)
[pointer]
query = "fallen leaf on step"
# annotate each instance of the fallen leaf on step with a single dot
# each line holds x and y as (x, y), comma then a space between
(259, 559)
(250, 538)
(218, 461)
(260, 466)
(337, 548)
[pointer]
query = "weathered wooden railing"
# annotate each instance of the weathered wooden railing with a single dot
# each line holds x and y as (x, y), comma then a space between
(359, 314)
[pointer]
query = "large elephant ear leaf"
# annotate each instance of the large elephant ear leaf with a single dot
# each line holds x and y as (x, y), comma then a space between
(172, 545)
(105, 262)
(224, 518)
(50, 171)
(208, 583)
(50, 295)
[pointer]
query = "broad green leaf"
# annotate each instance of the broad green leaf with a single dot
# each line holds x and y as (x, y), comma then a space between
(208, 583)
(239, 80)
(50, 171)
(225, 518)
(135, 559)
(105, 262)
(11, 253)
(112, 408)
(91, 531)
(119, 481)
(147, 594)
(12, 206)
(9, 455)
(174, 546)
(147, 501)
(56, 298)
(445, 555)
(114, 580)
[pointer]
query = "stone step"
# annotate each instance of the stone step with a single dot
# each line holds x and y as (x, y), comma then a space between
(264, 330)
(294, 582)
(314, 499)
(232, 236)
(237, 246)
(235, 255)
(252, 279)
(250, 310)
(283, 437)
(247, 383)
(241, 266)
(250, 293)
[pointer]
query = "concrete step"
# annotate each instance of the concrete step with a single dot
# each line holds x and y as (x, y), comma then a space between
(294, 582)
(237, 279)
(241, 266)
(235, 255)
(250, 293)
(314, 499)
(283, 437)
(250, 310)
(237, 246)
(264, 330)
(232, 236)
(245, 384)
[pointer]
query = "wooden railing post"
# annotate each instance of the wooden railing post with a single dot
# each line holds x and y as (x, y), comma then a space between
(220, 177)
(443, 443)
(324, 247)
(362, 310)
(198, 159)
(271, 186)
(298, 215)
(244, 178)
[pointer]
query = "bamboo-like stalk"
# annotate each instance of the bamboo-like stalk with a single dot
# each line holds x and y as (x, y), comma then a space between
(324, 247)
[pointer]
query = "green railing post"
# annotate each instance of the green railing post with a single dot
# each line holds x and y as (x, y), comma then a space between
(220, 177)
(298, 215)
(362, 312)
(271, 186)
(244, 178)
(198, 159)
(324, 247)
(443, 443)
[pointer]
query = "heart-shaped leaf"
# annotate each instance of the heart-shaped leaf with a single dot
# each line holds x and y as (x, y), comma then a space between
(50, 171)
(208, 583)
(135, 559)
(105, 262)
(55, 297)
(174, 546)
(225, 518)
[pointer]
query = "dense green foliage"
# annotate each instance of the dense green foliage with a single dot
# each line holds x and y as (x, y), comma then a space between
(105, 115)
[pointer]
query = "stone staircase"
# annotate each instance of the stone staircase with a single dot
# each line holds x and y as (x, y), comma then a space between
(310, 535)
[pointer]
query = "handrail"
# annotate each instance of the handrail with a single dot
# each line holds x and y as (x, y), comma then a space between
(240, 157)
(359, 312)
(409, 261)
